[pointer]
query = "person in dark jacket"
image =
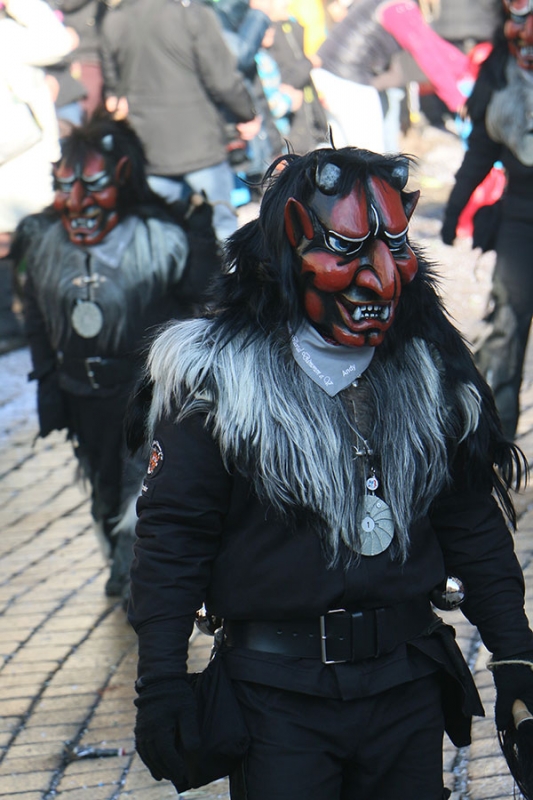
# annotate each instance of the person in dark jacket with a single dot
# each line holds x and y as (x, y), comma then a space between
(500, 109)
(308, 127)
(243, 25)
(465, 24)
(325, 464)
(169, 61)
(103, 269)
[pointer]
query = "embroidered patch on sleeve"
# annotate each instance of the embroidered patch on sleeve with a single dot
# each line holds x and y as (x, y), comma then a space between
(156, 459)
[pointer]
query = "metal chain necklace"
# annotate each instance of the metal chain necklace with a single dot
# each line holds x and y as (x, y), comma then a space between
(376, 529)
(87, 318)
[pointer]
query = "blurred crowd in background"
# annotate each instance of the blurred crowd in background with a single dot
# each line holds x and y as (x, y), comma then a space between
(216, 89)
(131, 131)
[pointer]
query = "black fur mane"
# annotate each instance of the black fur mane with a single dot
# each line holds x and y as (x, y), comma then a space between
(259, 293)
(135, 195)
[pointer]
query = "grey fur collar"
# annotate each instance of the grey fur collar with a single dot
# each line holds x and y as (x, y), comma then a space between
(509, 117)
(154, 258)
(295, 443)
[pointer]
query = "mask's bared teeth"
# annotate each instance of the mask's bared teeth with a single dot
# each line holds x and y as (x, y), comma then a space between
(371, 311)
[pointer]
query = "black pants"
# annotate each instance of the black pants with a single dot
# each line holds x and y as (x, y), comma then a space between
(386, 747)
(99, 444)
(500, 352)
(97, 425)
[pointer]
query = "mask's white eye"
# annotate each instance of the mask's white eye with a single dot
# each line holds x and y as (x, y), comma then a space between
(346, 247)
(64, 184)
(397, 242)
(97, 182)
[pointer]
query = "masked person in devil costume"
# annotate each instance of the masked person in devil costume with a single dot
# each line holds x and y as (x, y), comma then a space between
(104, 267)
(501, 111)
(326, 468)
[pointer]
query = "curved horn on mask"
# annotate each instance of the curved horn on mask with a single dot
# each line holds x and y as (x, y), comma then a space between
(400, 175)
(107, 142)
(327, 177)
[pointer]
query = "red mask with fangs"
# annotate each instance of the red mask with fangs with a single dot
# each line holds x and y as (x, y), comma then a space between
(87, 197)
(354, 259)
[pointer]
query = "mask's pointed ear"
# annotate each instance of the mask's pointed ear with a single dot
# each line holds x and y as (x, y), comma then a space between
(123, 171)
(410, 200)
(297, 222)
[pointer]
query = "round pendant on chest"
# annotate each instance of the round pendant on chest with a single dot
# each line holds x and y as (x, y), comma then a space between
(377, 526)
(87, 319)
(372, 483)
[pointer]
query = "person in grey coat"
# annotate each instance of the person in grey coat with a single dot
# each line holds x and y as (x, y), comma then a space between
(168, 64)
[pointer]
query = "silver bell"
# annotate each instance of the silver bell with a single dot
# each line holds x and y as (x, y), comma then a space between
(449, 594)
(207, 623)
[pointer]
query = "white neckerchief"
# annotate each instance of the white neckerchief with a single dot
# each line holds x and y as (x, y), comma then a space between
(332, 367)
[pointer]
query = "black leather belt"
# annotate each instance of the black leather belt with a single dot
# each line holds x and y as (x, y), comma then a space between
(96, 371)
(337, 637)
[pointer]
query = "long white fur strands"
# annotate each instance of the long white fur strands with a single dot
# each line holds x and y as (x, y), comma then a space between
(295, 443)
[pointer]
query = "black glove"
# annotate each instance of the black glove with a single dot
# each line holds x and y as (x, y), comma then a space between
(513, 682)
(166, 719)
(51, 405)
(447, 233)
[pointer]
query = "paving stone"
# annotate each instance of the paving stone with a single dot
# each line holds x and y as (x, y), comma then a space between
(215, 791)
(487, 767)
(493, 788)
(87, 793)
(29, 781)
(51, 704)
(14, 707)
(23, 795)
(158, 791)
(9, 724)
(61, 732)
(46, 761)
(91, 779)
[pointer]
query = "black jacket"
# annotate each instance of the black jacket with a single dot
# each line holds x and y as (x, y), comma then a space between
(171, 62)
(481, 155)
(459, 22)
(203, 536)
(358, 48)
(308, 125)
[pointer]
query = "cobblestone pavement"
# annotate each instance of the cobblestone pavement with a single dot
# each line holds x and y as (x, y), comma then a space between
(68, 657)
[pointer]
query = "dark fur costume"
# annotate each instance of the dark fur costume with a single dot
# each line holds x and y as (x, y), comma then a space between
(499, 109)
(252, 458)
(258, 302)
(157, 268)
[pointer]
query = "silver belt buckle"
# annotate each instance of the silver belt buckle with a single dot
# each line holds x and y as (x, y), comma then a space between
(323, 638)
(88, 369)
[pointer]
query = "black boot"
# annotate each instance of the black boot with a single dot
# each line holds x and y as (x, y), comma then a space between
(122, 556)
(11, 330)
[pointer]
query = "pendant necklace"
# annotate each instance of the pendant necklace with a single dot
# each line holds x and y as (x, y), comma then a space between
(376, 529)
(87, 318)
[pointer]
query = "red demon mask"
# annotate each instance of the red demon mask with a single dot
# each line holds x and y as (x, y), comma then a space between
(518, 30)
(87, 197)
(354, 258)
